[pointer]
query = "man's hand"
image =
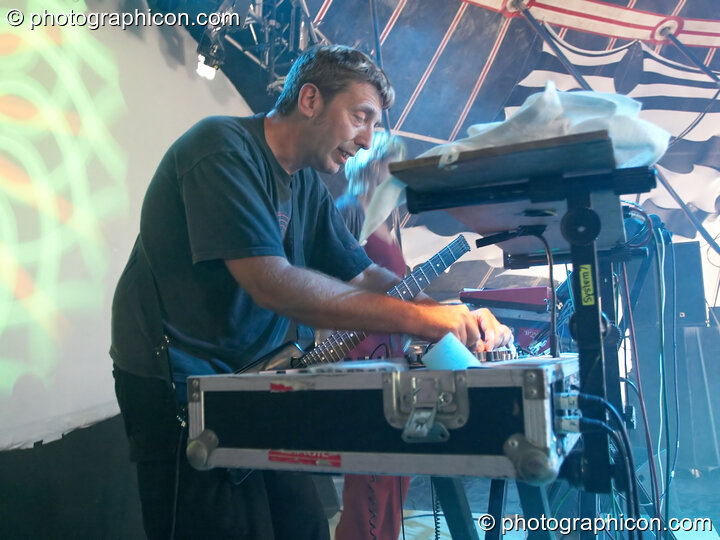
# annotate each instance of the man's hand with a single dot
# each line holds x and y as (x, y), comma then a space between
(468, 326)
(496, 334)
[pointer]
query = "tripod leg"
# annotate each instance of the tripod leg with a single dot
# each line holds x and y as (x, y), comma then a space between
(496, 506)
(534, 502)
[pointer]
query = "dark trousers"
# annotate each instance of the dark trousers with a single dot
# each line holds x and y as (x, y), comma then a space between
(181, 502)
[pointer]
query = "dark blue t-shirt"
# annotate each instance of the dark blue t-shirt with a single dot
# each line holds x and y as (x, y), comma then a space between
(220, 194)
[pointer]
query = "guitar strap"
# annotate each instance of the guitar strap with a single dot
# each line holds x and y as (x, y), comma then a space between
(153, 314)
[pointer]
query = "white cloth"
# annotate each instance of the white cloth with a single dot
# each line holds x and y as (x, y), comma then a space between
(544, 115)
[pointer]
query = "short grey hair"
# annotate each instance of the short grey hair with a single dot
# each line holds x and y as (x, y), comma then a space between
(362, 168)
(331, 68)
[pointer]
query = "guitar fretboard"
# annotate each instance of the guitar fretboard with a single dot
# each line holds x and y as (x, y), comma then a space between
(338, 344)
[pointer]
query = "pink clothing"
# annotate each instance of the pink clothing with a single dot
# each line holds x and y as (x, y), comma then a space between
(372, 504)
(372, 507)
(387, 255)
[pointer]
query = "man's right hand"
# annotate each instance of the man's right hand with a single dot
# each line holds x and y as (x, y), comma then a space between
(438, 320)
(468, 326)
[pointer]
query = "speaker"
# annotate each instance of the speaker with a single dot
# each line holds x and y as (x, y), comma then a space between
(688, 283)
(693, 344)
(691, 307)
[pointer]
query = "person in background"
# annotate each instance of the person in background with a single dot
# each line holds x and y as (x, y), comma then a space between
(372, 504)
(364, 172)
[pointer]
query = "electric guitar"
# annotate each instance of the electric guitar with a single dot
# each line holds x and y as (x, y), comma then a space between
(336, 346)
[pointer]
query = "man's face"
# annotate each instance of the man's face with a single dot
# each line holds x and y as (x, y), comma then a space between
(344, 125)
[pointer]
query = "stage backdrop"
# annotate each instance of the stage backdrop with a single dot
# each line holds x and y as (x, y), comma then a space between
(85, 116)
(455, 63)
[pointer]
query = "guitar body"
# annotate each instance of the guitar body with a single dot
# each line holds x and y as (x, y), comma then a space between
(276, 360)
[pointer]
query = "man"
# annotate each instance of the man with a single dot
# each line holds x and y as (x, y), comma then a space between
(238, 236)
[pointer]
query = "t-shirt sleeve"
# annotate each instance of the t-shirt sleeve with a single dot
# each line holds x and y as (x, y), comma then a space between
(335, 250)
(230, 214)
(353, 218)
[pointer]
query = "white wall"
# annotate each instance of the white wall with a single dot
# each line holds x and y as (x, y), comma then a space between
(85, 117)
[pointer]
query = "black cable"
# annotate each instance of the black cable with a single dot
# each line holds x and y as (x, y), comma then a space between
(387, 351)
(402, 503)
(553, 294)
(626, 441)
(646, 228)
(176, 489)
(630, 488)
(632, 385)
(181, 416)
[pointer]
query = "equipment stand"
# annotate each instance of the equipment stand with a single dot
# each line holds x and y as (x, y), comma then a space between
(580, 226)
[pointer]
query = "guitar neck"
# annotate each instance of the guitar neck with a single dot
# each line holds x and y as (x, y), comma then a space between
(338, 344)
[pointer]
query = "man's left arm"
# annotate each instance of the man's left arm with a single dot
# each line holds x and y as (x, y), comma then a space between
(380, 280)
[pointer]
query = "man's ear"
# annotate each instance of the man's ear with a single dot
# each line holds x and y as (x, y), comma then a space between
(310, 101)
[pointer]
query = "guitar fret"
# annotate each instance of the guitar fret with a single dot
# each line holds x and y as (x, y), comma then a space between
(321, 353)
(348, 343)
(345, 345)
(318, 355)
(443, 260)
(331, 350)
(357, 337)
(407, 293)
(327, 356)
(354, 339)
(395, 291)
(340, 349)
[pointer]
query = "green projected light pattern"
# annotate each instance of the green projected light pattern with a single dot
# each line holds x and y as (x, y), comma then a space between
(62, 175)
